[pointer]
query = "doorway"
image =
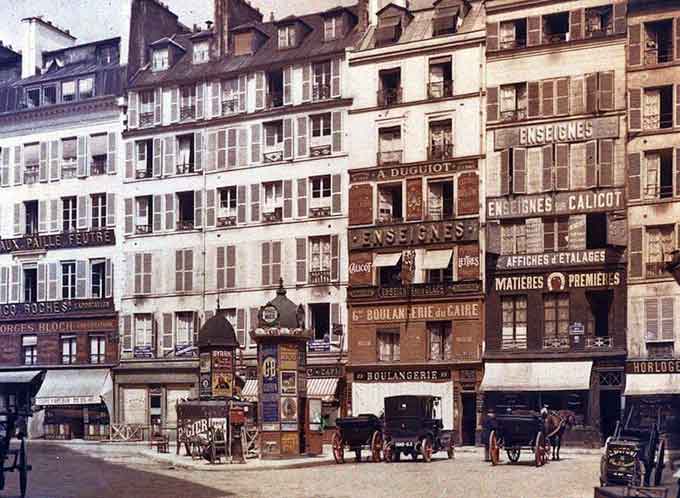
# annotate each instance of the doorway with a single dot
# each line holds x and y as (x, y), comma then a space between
(469, 419)
(610, 412)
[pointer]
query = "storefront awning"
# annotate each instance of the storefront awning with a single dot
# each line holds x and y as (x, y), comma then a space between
(389, 259)
(22, 377)
(249, 391)
(652, 384)
(76, 387)
(323, 389)
(437, 260)
(537, 376)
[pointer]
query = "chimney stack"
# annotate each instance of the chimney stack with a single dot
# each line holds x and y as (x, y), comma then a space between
(363, 15)
(228, 15)
(40, 36)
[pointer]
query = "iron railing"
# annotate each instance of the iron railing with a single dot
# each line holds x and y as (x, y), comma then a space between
(390, 157)
(389, 96)
(440, 89)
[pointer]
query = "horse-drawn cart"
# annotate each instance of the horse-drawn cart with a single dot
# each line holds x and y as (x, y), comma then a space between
(516, 432)
(356, 433)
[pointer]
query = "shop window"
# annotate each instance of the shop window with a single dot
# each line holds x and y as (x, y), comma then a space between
(388, 345)
(659, 174)
(160, 59)
(97, 278)
(390, 203)
(85, 88)
(97, 349)
(143, 214)
(556, 234)
(31, 208)
(143, 159)
(227, 208)
(514, 335)
(185, 154)
(659, 42)
(97, 151)
(390, 87)
(187, 104)
(598, 313)
(287, 37)
(68, 91)
(390, 150)
(320, 316)
(275, 88)
(513, 239)
(68, 157)
(98, 202)
(513, 102)
(31, 163)
(441, 140)
(29, 347)
(69, 213)
(441, 78)
(185, 210)
(658, 108)
(68, 280)
(184, 328)
(556, 27)
(273, 135)
(201, 52)
(440, 201)
(33, 97)
(144, 331)
(320, 260)
(322, 80)
(68, 349)
(596, 231)
(513, 34)
(660, 245)
(556, 317)
(49, 95)
(441, 340)
(599, 21)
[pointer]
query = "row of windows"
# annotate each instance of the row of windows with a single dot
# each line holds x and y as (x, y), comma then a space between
(439, 340)
(57, 93)
(68, 347)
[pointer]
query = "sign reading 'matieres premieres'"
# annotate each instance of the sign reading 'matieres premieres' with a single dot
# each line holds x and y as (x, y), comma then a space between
(653, 366)
(68, 240)
(403, 375)
(414, 234)
(52, 309)
(557, 281)
(567, 258)
(561, 132)
(587, 201)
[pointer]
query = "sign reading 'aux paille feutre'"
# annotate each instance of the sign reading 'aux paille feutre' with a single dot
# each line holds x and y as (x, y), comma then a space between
(69, 240)
(560, 203)
(560, 132)
(414, 234)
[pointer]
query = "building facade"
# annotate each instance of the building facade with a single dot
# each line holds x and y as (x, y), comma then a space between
(555, 209)
(415, 288)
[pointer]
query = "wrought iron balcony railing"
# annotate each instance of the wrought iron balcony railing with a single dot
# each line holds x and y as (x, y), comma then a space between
(319, 276)
(389, 96)
(440, 89)
(321, 92)
(440, 152)
(593, 342)
(390, 157)
(555, 343)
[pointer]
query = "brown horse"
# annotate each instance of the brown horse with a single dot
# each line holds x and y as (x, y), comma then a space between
(555, 425)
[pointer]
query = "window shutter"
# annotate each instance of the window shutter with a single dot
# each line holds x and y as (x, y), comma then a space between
(221, 148)
(563, 96)
(287, 85)
(606, 163)
(15, 284)
(138, 267)
(169, 211)
(677, 105)
(126, 332)
(533, 99)
(4, 167)
(335, 78)
(548, 94)
(242, 147)
(242, 88)
(335, 258)
(576, 24)
(147, 260)
(492, 108)
(677, 177)
(53, 281)
(606, 90)
(577, 232)
(111, 154)
(158, 106)
(667, 314)
(533, 31)
(336, 130)
(254, 202)
(635, 45)
(55, 224)
(635, 259)
(19, 218)
(54, 163)
(591, 93)
(302, 135)
(549, 234)
(519, 171)
(211, 152)
(505, 171)
(577, 165)
(287, 138)
(231, 267)
(231, 148)
(42, 217)
(336, 323)
(266, 263)
(276, 262)
(42, 282)
(18, 165)
(200, 100)
(189, 268)
(198, 208)
(81, 279)
(215, 100)
(635, 109)
(4, 284)
(157, 212)
(677, 37)
(620, 14)
(111, 210)
(634, 180)
(336, 192)
(301, 260)
(652, 319)
(492, 37)
(534, 235)
(167, 336)
(256, 143)
(288, 198)
(129, 216)
(220, 266)
(241, 327)
(306, 82)
(157, 157)
(302, 197)
(129, 164)
(547, 168)
(259, 90)
(108, 278)
(577, 95)
(169, 162)
(42, 164)
(132, 111)
(241, 204)
(198, 151)
(82, 156)
(82, 211)
(210, 208)
(591, 164)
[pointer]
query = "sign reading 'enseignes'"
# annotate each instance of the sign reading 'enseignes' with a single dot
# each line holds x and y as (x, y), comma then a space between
(577, 130)
(671, 365)
(414, 234)
(68, 240)
(557, 281)
(430, 374)
(554, 204)
(566, 258)
(405, 171)
(52, 309)
(418, 312)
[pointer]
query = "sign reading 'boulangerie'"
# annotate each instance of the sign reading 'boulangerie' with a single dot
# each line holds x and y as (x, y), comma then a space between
(555, 204)
(396, 313)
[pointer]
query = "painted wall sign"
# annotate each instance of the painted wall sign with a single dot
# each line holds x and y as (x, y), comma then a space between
(414, 199)
(653, 366)
(558, 281)
(68, 240)
(429, 374)
(361, 268)
(589, 201)
(47, 327)
(421, 312)
(468, 193)
(561, 132)
(280, 332)
(567, 258)
(434, 232)
(420, 170)
(324, 372)
(53, 309)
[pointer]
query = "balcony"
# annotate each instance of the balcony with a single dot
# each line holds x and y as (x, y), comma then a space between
(659, 55)
(272, 215)
(146, 119)
(556, 343)
(319, 276)
(229, 106)
(274, 99)
(98, 166)
(183, 225)
(440, 152)
(440, 89)
(226, 221)
(69, 168)
(656, 269)
(389, 96)
(183, 169)
(142, 229)
(187, 112)
(510, 44)
(142, 173)
(599, 342)
(390, 157)
(657, 121)
(321, 92)
(513, 115)
(31, 172)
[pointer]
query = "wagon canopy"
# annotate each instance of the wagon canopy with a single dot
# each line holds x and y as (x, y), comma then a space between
(537, 376)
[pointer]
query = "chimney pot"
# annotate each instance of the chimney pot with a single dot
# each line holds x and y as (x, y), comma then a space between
(209, 24)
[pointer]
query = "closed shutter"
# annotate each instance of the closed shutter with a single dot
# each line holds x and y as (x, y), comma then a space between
(302, 197)
(259, 90)
(360, 204)
(577, 95)
(548, 94)
(635, 258)
(200, 100)
(132, 111)
(231, 267)
(335, 78)
(170, 211)
(255, 202)
(215, 100)
(43, 161)
(266, 263)
(335, 258)
(157, 157)
(505, 171)
(81, 279)
(533, 31)
(577, 232)
(111, 154)
(18, 165)
(288, 199)
(210, 196)
(519, 171)
(15, 284)
(306, 82)
(158, 106)
(211, 152)
(276, 262)
(241, 204)
(221, 267)
(576, 24)
(129, 164)
(547, 168)
(242, 147)
(634, 180)
(147, 266)
(534, 236)
(533, 99)
(667, 318)
(256, 143)
(336, 194)
(534, 170)
(651, 319)
(53, 287)
(110, 210)
(232, 145)
(157, 213)
(549, 234)
(189, 268)
(677, 176)
(492, 108)
(4, 284)
(108, 278)
(677, 38)
(591, 93)
(302, 136)
(577, 165)
(169, 162)
(287, 85)
(620, 15)
(336, 131)
(677, 105)
(129, 216)
(606, 163)
(222, 150)
(19, 219)
(42, 217)
(126, 332)
(606, 90)
(562, 96)
(591, 164)
(82, 164)
(83, 211)
(138, 267)
(198, 208)
(287, 138)
(199, 154)
(635, 45)
(4, 167)
(54, 163)
(167, 336)
(242, 95)
(492, 44)
(301, 260)
(42, 282)
(55, 212)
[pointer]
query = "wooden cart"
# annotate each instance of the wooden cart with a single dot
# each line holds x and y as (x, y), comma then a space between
(516, 432)
(356, 433)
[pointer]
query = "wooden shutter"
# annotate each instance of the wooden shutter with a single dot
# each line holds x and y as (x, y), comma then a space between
(199, 153)
(266, 263)
(306, 82)
(110, 210)
(677, 105)
(18, 165)
(241, 204)
(4, 284)
(576, 24)
(167, 335)
(198, 208)
(147, 265)
(82, 158)
(335, 258)
(15, 284)
(211, 152)
(533, 99)
(42, 282)
(255, 202)
(336, 131)
(301, 260)
(215, 99)
(606, 163)
(577, 101)
(677, 178)
(81, 279)
(667, 318)
(231, 267)
(635, 258)
(42, 216)
(547, 168)
(169, 162)
(158, 106)
(111, 154)
(132, 110)
(179, 270)
(54, 162)
(577, 165)
(242, 147)
(635, 109)
(259, 89)
(361, 204)
(170, 211)
(288, 198)
(19, 218)
(302, 197)
(591, 164)
(562, 96)
(519, 171)
(4, 167)
(157, 212)
(577, 232)
(620, 15)
(335, 78)
(652, 319)
(108, 278)
(549, 235)
(591, 93)
(189, 268)
(129, 156)
(302, 136)
(287, 85)
(534, 235)
(677, 38)
(42, 161)
(83, 211)
(242, 89)
(126, 332)
(129, 216)
(210, 196)
(55, 212)
(231, 147)
(200, 100)
(287, 138)
(336, 194)
(276, 262)
(634, 178)
(492, 108)
(336, 323)
(138, 267)
(221, 267)
(492, 36)
(256, 143)
(548, 97)
(157, 157)
(606, 90)
(635, 45)
(505, 171)
(533, 31)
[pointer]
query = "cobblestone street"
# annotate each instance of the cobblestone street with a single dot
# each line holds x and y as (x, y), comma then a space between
(61, 471)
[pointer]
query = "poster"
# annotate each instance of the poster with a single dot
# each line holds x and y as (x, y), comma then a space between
(288, 357)
(205, 385)
(269, 369)
(314, 414)
(290, 444)
(289, 409)
(222, 360)
(204, 362)
(222, 383)
(289, 383)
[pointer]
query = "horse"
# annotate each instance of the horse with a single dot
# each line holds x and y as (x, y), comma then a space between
(554, 426)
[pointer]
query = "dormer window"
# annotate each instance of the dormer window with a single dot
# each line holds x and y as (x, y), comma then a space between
(445, 21)
(85, 88)
(68, 91)
(389, 30)
(160, 60)
(201, 52)
(287, 37)
(332, 28)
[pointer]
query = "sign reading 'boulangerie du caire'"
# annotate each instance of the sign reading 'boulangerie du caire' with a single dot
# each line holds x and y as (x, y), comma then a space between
(414, 234)
(577, 130)
(588, 201)
(68, 240)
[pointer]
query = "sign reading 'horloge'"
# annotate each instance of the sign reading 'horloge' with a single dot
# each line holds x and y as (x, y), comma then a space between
(68, 240)
(587, 201)
(671, 365)
(412, 234)
(561, 132)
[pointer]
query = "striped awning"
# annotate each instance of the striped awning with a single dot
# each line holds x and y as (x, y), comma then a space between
(323, 389)
(249, 391)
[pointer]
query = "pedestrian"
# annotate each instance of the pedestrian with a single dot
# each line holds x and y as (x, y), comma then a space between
(490, 424)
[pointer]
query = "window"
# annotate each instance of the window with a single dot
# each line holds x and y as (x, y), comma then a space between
(659, 319)
(599, 21)
(441, 140)
(322, 80)
(69, 213)
(30, 284)
(144, 331)
(287, 37)
(146, 109)
(389, 145)
(513, 239)
(660, 244)
(440, 275)
(31, 208)
(185, 211)
(597, 324)
(187, 109)
(513, 34)
(108, 55)
(185, 154)
(273, 196)
(184, 270)
(389, 274)
(441, 340)
(29, 346)
(31, 163)
(556, 27)
(68, 157)
(49, 95)
(97, 349)
(98, 202)
(388, 30)
(275, 88)
(596, 231)
(658, 108)
(184, 328)
(390, 203)
(97, 278)
(445, 21)
(514, 309)
(68, 280)
(85, 88)
(321, 187)
(390, 87)
(658, 42)
(321, 125)
(160, 59)
(143, 159)
(320, 259)
(273, 134)
(659, 174)
(201, 52)
(68, 91)
(320, 317)
(388, 345)
(68, 349)
(556, 315)
(227, 206)
(513, 105)
(332, 28)
(33, 97)
(441, 78)
(440, 199)
(230, 96)
(143, 214)
(556, 234)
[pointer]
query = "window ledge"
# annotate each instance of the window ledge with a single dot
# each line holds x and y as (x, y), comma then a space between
(647, 67)
(655, 131)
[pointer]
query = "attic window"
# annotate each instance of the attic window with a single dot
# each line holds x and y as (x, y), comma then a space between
(201, 52)
(160, 60)
(445, 21)
(389, 30)
(332, 28)
(287, 37)
(243, 43)
(107, 54)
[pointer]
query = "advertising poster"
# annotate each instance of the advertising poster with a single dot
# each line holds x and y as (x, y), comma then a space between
(314, 414)
(288, 357)
(289, 383)
(269, 369)
(205, 385)
(289, 409)
(222, 383)
(290, 444)
(204, 362)
(222, 360)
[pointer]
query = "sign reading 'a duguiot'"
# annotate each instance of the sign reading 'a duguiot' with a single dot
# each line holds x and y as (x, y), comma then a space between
(567, 258)
(67, 240)
(557, 281)
(407, 235)
(396, 313)
(577, 130)
(52, 309)
(419, 170)
(428, 374)
(671, 365)
(586, 201)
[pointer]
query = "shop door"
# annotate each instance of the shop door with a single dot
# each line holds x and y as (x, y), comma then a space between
(77, 424)
(610, 411)
(469, 421)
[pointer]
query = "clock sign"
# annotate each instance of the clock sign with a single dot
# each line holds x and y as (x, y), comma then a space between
(269, 314)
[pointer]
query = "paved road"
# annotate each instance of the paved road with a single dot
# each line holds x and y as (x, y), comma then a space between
(63, 473)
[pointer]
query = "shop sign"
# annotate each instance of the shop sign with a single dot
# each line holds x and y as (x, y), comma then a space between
(361, 268)
(188, 428)
(53, 309)
(60, 326)
(413, 234)
(576, 328)
(68, 240)
(426, 374)
(577, 130)
(271, 427)
(280, 332)
(324, 372)
(558, 281)
(319, 346)
(653, 366)
(70, 400)
(143, 352)
(418, 170)
(567, 258)
(468, 262)
(420, 312)
(527, 206)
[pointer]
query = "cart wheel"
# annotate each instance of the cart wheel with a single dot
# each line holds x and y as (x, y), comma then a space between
(389, 454)
(658, 468)
(23, 469)
(494, 449)
(513, 454)
(539, 450)
(376, 446)
(338, 448)
(426, 449)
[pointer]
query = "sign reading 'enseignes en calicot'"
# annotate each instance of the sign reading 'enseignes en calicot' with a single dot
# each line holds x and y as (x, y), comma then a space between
(558, 281)
(587, 201)
(68, 240)
(412, 234)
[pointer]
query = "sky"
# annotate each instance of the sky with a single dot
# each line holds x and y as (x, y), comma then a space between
(90, 20)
